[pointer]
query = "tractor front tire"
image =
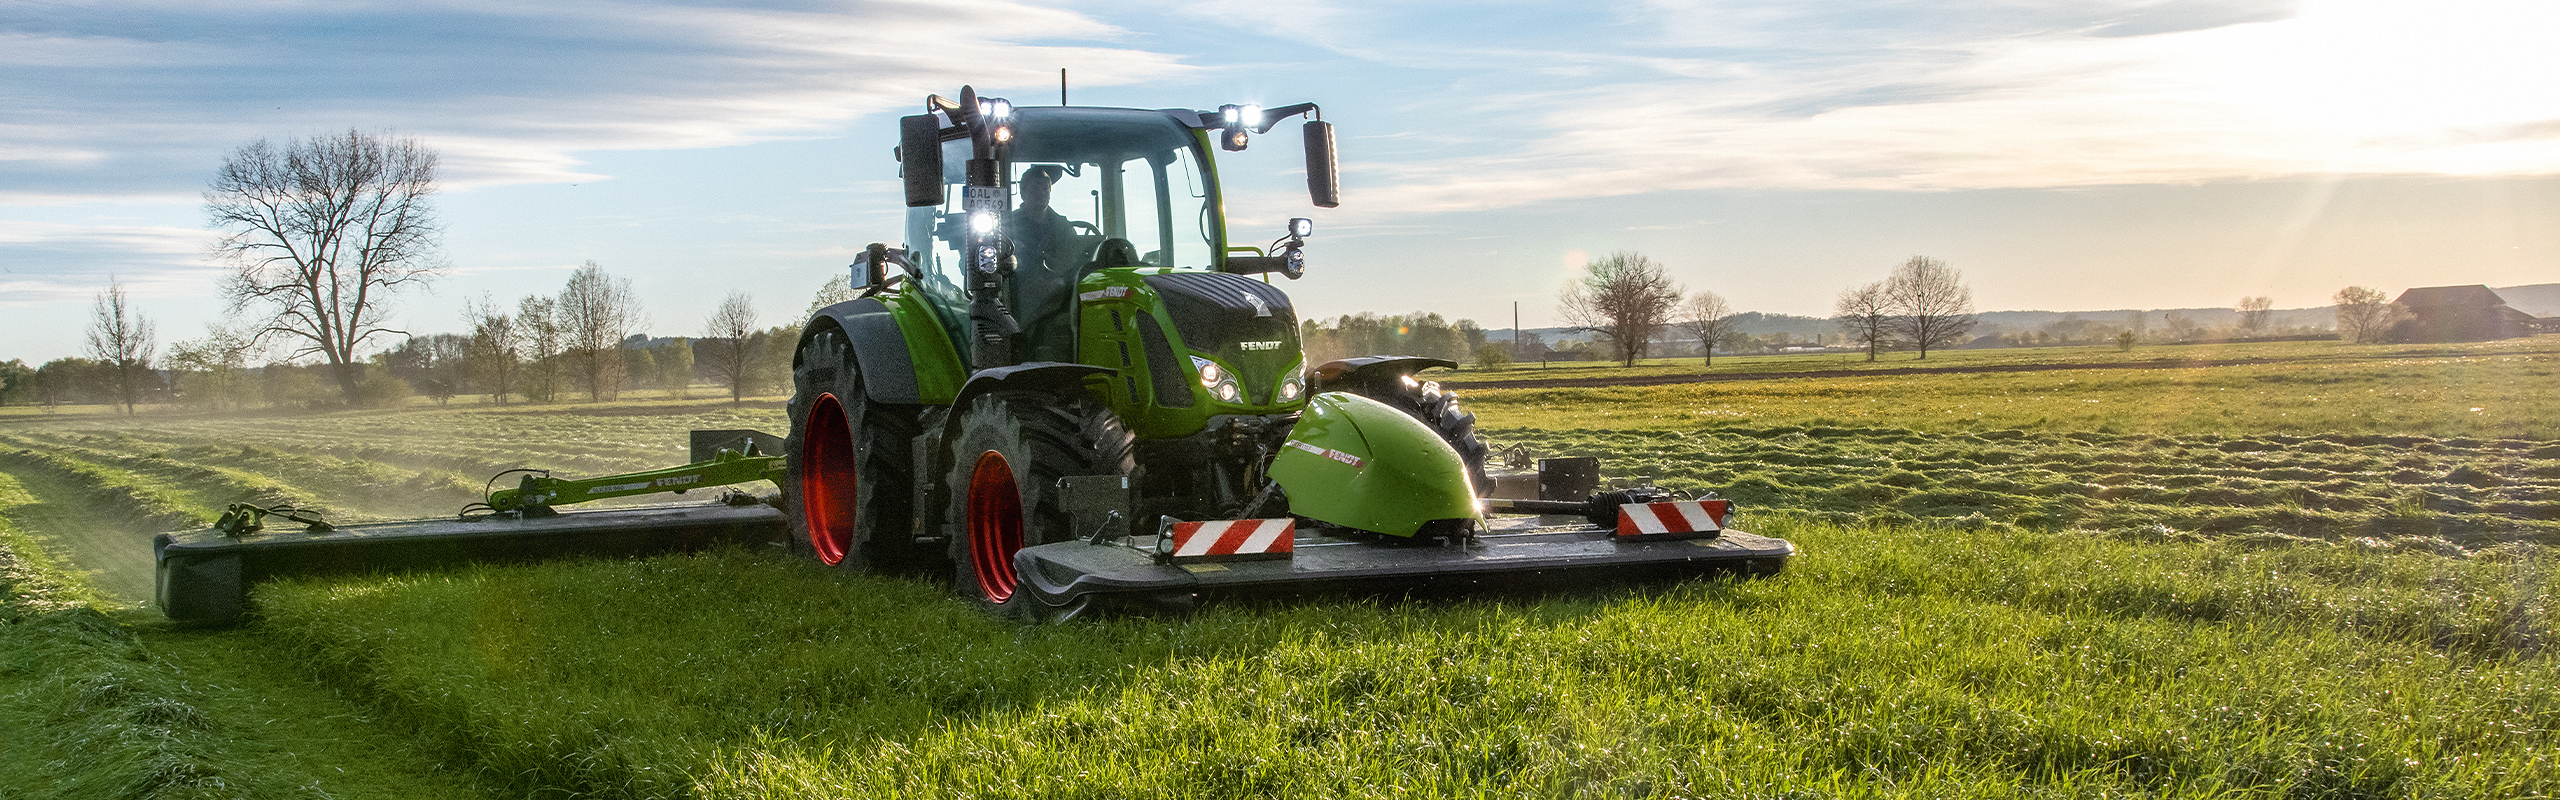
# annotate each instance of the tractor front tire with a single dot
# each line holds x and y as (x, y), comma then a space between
(1011, 449)
(849, 487)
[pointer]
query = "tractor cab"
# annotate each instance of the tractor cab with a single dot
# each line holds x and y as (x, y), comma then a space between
(1085, 189)
(1011, 210)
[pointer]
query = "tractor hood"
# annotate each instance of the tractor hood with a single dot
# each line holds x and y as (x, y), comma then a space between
(1358, 463)
(1245, 323)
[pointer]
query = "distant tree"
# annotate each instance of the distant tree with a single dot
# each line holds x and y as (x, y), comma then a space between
(213, 372)
(2254, 314)
(436, 365)
(1470, 337)
(539, 319)
(17, 383)
(675, 367)
(1625, 298)
(1493, 355)
(773, 348)
(1933, 308)
(496, 352)
(728, 343)
(1865, 313)
(1709, 318)
(2181, 328)
(836, 290)
(596, 312)
(121, 338)
(2124, 340)
(2364, 314)
(322, 234)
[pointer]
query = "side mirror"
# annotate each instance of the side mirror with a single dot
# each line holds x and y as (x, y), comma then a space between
(1324, 179)
(876, 260)
(920, 159)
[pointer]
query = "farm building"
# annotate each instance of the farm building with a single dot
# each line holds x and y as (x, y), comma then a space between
(2473, 313)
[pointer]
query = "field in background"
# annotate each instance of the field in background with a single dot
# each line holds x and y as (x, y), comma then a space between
(2320, 574)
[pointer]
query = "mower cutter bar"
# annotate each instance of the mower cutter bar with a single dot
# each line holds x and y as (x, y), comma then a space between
(204, 577)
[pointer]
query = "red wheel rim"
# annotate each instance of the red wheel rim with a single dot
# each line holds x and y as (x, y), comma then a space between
(995, 525)
(827, 480)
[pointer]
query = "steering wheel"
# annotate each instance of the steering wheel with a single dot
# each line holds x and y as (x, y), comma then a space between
(1086, 227)
(1116, 253)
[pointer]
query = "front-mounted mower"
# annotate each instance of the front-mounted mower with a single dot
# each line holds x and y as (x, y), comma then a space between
(1070, 387)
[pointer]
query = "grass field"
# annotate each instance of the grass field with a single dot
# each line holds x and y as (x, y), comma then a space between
(2315, 572)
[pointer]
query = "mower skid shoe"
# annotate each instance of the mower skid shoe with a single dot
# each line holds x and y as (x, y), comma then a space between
(1075, 575)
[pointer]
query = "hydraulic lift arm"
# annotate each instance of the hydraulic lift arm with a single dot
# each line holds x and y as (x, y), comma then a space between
(534, 496)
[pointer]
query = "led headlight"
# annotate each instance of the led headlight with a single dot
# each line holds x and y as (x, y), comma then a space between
(1220, 383)
(1291, 387)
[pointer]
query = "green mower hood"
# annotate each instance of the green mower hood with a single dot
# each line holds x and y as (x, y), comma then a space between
(1358, 463)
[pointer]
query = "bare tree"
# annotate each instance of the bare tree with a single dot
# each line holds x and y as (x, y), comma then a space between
(322, 233)
(1625, 298)
(1866, 313)
(836, 290)
(121, 338)
(1932, 306)
(1707, 316)
(213, 372)
(2254, 313)
(2364, 314)
(538, 317)
(495, 354)
(729, 343)
(596, 312)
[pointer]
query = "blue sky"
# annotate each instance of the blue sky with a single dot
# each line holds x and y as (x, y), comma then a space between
(2065, 155)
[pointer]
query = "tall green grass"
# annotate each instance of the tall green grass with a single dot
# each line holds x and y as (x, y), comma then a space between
(1886, 662)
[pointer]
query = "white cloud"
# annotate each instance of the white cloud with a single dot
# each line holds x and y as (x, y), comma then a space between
(130, 97)
(2344, 87)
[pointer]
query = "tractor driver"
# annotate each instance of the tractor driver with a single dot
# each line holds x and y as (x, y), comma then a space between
(1048, 257)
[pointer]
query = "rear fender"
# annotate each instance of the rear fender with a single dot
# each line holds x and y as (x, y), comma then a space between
(905, 358)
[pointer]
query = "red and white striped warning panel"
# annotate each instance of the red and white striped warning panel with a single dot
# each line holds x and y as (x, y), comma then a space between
(1235, 539)
(1688, 519)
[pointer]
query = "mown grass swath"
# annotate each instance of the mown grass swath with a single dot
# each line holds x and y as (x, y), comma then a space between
(91, 707)
(1901, 662)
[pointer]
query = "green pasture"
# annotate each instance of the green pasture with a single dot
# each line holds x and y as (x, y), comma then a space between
(2324, 573)
(1888, 662)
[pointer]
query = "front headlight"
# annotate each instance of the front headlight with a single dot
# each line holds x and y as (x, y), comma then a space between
(1220, 383)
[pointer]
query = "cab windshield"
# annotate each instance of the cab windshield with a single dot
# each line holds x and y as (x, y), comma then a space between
(1090, 187)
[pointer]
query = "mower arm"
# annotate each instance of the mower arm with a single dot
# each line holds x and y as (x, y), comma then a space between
(537, 493)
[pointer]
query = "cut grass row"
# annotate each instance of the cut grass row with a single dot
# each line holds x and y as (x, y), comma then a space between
(92, 708)
(1887, 662)
(2411, 491)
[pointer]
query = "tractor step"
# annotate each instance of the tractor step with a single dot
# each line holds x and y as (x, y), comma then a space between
(1516, 555)
(204, 577)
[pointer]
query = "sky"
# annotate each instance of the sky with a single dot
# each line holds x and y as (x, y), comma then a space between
(2070, 155)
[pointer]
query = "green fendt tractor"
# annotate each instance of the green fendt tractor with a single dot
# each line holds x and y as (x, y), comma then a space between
(1071, 363)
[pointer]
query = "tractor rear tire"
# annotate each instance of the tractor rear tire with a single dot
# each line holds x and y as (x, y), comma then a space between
(1438, 410)
(849, 486)
(1011, 449)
